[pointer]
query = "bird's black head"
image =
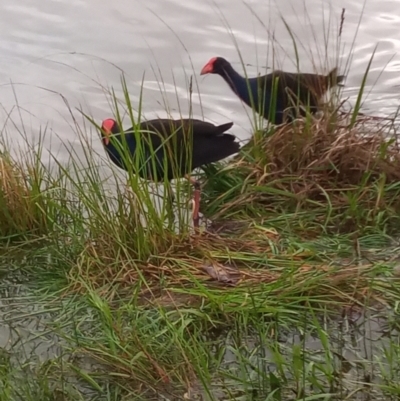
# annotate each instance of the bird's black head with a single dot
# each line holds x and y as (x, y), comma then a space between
(216, 65)
(109, 127)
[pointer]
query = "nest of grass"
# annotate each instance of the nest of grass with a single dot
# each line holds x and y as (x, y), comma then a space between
(328, 155)
(326, 160)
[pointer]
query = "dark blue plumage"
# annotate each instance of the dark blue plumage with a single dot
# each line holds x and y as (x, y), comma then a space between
(169, 142)
(256, 92)
(178, 147)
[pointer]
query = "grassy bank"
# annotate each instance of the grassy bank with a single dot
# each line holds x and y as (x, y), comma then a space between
(301, 251)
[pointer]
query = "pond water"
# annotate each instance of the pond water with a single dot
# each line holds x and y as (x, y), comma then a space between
(72, 48)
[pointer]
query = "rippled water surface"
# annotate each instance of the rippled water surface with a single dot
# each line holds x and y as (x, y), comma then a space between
(73, 47)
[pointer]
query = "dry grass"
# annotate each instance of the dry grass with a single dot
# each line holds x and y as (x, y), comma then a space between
(324, 162)
(19, 210)
(249, 262)
(185, 258)
(326, 155)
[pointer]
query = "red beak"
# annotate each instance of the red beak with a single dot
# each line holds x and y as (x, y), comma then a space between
(107, 127)
(208, 68)
(106, 136)
(106, 139)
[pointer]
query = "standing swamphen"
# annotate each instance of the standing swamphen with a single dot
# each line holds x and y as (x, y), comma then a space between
(167, 149)
(307, 89)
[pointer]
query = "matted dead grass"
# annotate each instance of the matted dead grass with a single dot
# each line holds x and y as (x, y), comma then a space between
(327, 160)
(244, 265)
(329, 155)
(182, 260)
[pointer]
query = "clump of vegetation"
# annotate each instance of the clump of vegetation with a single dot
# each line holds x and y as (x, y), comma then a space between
(21, 203)
(347, 173)
(156, 306)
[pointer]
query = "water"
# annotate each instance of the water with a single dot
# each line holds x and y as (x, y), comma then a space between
(68, 47)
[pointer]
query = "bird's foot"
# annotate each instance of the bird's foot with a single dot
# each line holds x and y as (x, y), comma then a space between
(196, 207)
(195, 201)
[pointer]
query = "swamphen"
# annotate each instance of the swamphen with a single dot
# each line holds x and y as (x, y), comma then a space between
(291, 89)
(167, 149)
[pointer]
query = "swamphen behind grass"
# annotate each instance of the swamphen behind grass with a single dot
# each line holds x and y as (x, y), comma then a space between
(170, 148)
(291, 89)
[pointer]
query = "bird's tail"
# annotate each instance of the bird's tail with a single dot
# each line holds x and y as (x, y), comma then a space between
(334, 79)
(230, 145)
(224, 127)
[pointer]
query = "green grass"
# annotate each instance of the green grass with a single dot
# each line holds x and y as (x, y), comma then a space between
(138, 322)
(291, 293)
